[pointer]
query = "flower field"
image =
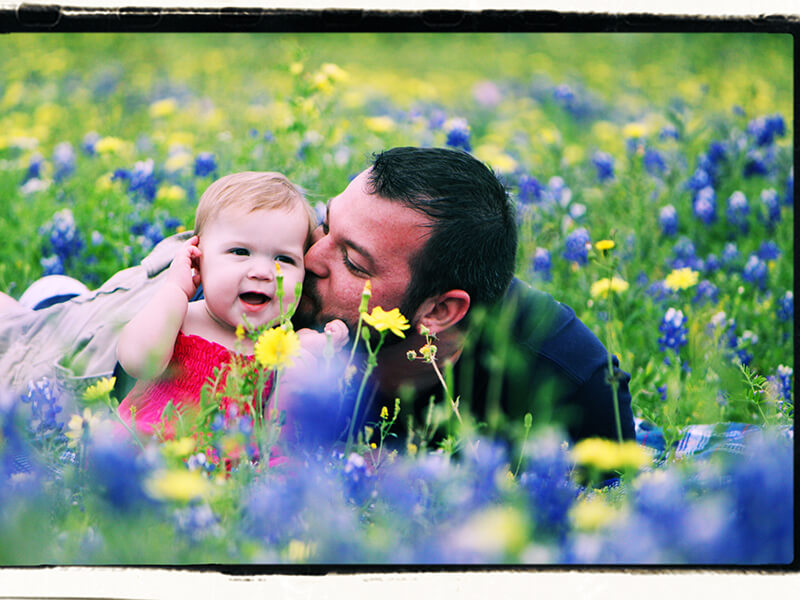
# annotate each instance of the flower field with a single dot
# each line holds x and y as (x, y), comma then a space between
(654, 186)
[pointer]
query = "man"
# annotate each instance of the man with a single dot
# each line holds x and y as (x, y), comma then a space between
(434, 232)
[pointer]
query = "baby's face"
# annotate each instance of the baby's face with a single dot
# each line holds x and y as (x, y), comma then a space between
(240, 251)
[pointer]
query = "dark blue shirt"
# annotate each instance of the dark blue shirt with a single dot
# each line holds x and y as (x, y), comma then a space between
(531, 354)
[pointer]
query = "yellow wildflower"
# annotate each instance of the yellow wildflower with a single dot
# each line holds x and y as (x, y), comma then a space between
(78, 423)
(604, 245)
(164, 107)
(428, 352)
(411, 448)
(100, 389)
(382, 320)
(179, 448)
(384, 413)
(178, 161)
(296, 68)
(606, 455)
(104, 183)
(606, 285)
(239, 332)
(379, 124)
(109, 145)
(278, 269)
(334, 71)
(178, 484)
(374, 446)
(171, 193)
(276, 348)
(592, 513)
(297, 551)
(681, 279)
(634, 130)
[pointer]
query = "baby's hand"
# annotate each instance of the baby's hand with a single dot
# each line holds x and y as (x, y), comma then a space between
(182, 271)
(314, 342)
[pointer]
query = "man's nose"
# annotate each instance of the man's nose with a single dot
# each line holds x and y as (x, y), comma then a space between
(315, 259)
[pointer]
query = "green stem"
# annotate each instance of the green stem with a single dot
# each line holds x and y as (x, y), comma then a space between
(371, 364)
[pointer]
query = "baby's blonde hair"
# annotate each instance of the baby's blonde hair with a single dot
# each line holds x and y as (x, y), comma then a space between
(250, 190)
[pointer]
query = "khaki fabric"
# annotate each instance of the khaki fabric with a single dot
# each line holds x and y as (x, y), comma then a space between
(76, 341)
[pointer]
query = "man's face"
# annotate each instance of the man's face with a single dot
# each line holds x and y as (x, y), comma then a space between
(364, 237)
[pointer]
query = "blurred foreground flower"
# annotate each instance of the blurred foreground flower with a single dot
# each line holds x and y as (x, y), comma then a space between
(178, 485)
(100, 389)
(80, 424)
(276, 348)
(606, 455)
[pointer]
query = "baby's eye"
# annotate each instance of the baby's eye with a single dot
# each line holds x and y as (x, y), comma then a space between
(285, 259)
(240, 251)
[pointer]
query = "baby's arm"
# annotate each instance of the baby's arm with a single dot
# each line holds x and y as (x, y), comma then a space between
(145, 346)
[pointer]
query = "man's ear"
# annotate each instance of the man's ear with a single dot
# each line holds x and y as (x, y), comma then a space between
(443, 311)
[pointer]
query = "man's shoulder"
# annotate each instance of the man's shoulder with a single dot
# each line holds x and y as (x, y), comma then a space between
(549, 330)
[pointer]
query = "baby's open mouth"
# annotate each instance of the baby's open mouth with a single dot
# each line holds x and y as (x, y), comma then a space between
(254, 298)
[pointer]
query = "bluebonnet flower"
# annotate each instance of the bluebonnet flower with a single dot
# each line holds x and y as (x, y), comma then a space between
(668, 217)
(706, 291)
(577, 210)
(142, 181)
(786, 306)
(765, 129)
(674, 331)
(755, 271)
(772, 208)
(119, 471)
(768, 251)
(542, 264)
(742, 349)
(52, 265)
(738, 210)
(171, 223)
(662, 392)
(654, 162)
(756, 163)
(730, 254)
(62, 238)
(685, 256)
(788, 198)
(704, 205)
(64, 160)
(717, 152)
(486, 462)
(46, 401)
(668, 132)
(272, 509)
(564, 95)
(783, 379)
(197, 522)
(34, 167)
(437, 119)
(712, 263)
(699, 180)
(253, 132)
(660, 292)
(530, 190)
(558, 191)
(359, 484)
(205, 164)
(576, 246)
(458, 134)
(550, 492)
(89, 141)
(604, 164)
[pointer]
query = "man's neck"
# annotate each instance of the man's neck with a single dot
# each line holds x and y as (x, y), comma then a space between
(395, 370)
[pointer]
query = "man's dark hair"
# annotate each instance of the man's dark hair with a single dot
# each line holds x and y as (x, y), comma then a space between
(473, 242)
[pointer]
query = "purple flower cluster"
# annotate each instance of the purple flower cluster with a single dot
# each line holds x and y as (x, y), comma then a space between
(704, 205)
(458, 135)
(673, 331)
(63, 242)
(205, 164)
(142, 180)
(737, 211)
(63, 160)
(770, 203)
(755, 271)
(576, 246)
(668, 218)
(786, 306)
(530, 190)
(604, 165)
(542, 264)
(46, 402)
(706, 292)
(765, 129)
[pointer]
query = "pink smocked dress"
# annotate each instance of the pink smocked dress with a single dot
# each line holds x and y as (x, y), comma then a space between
(192, 365)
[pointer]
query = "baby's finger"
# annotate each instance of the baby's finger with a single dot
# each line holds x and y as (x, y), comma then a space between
(338, 332)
